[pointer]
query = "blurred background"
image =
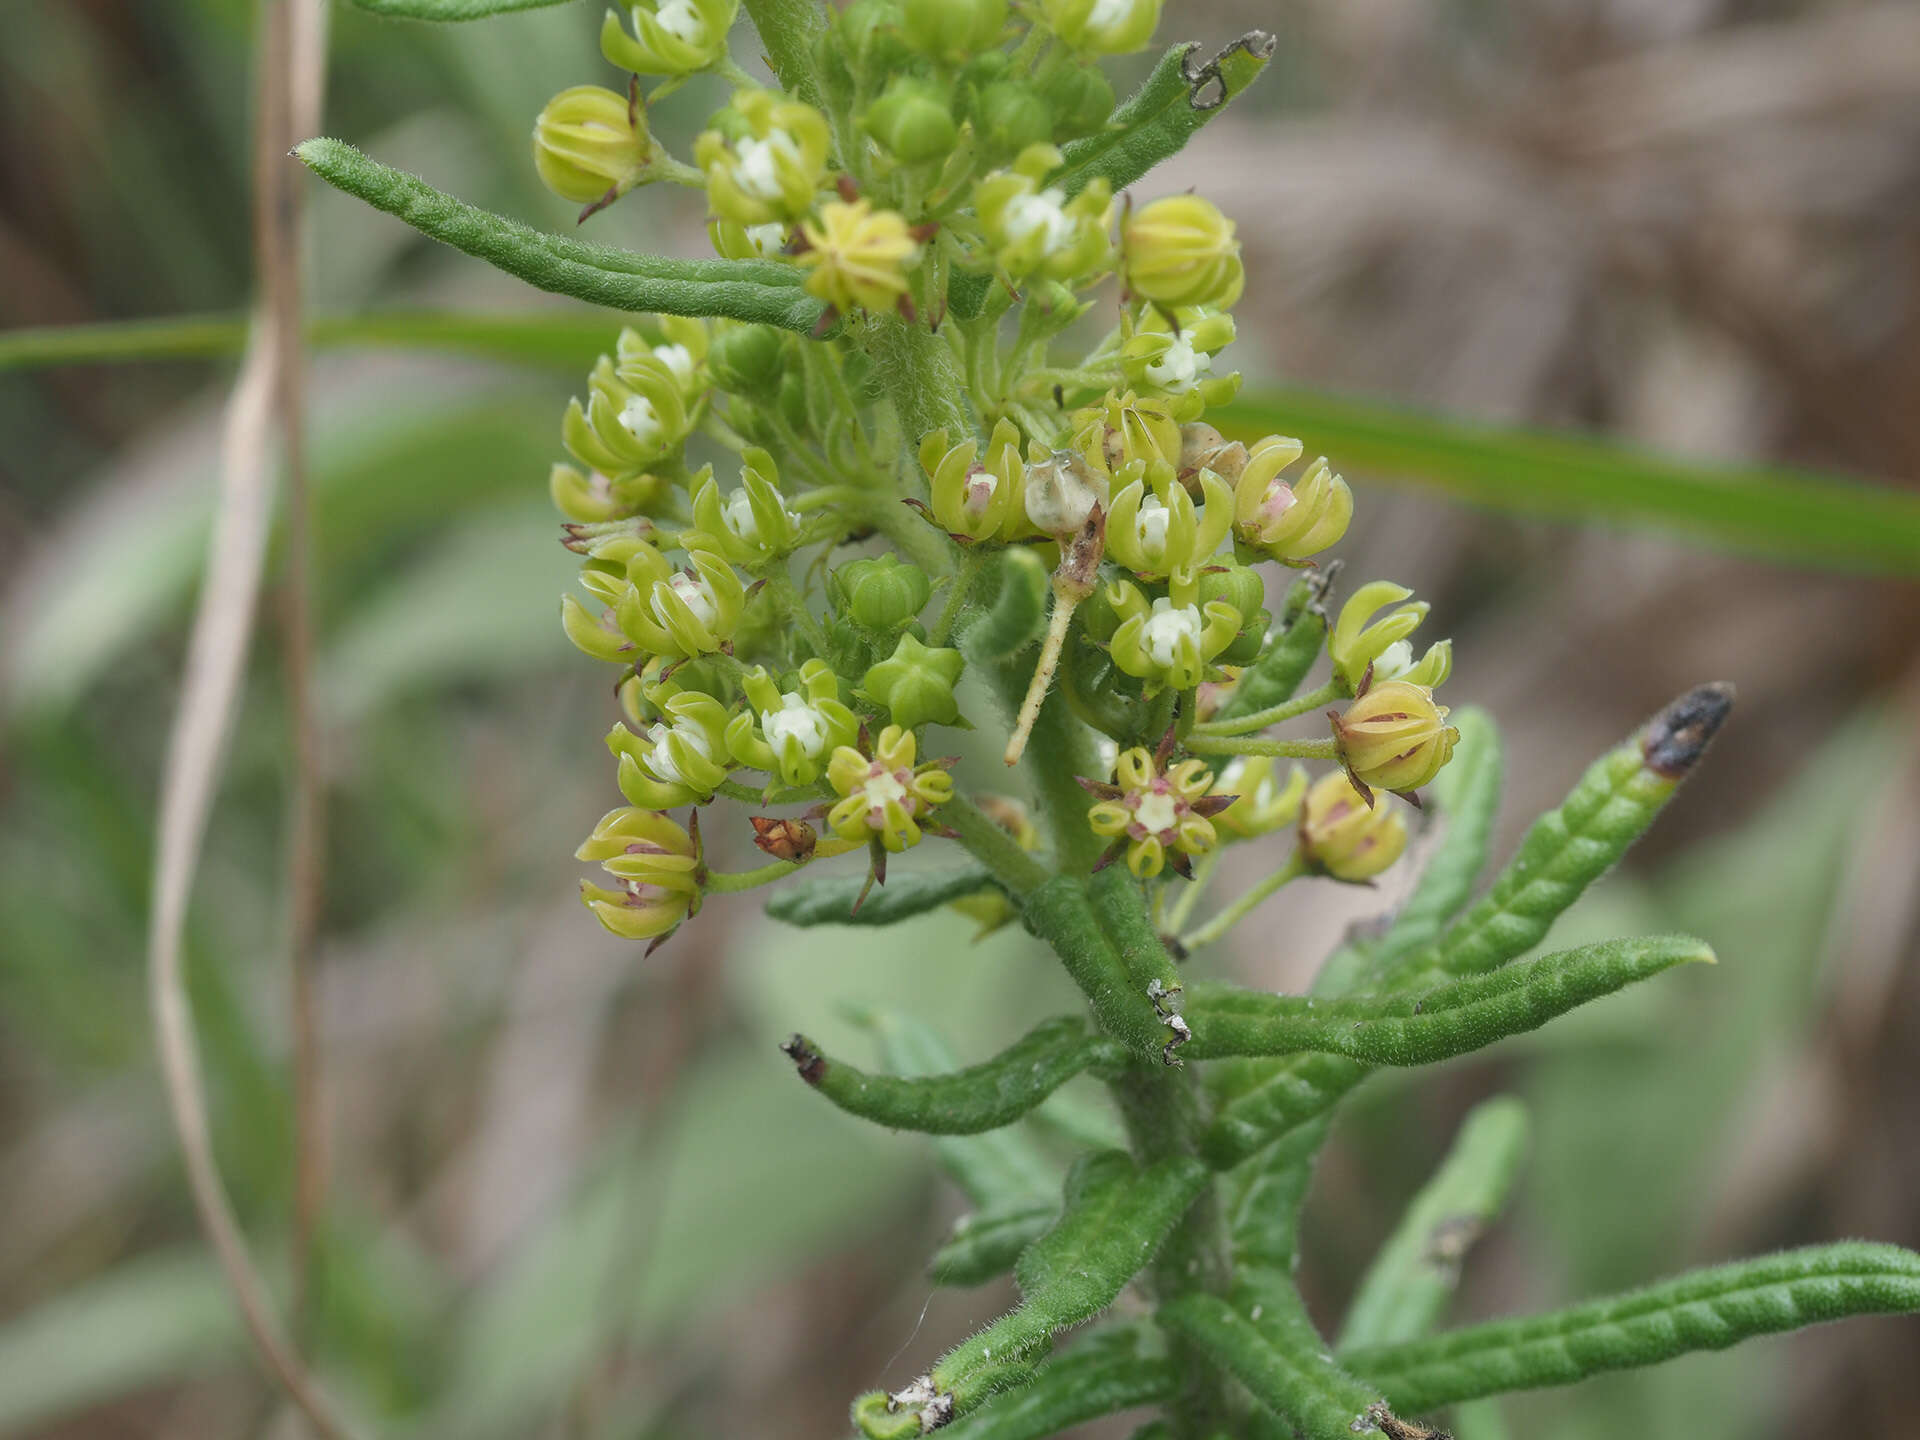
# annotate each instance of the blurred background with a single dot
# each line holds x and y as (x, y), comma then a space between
(574, 1194)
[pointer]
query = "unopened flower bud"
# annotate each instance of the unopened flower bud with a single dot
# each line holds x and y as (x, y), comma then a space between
(790, 840)
(750, 526)
(857, 258)
(1154, 528)
(1245, 590)
(635, 415)
(592, 499)
(882, 593)
(913, 120)
(1009, 117)
(953, 31)
(1033, 228)
(978, 496)
(1394, 737)
(1357, 639)
(1124, 427)
(670, 37)
(694, 611)
(591, 145)
(1080, 96)
(680, 759)
(1104, 27)
(765, 158)
(749, 359)
(1202, 447)
(1287, 522)
(1170, 642)
(1341, 835)
(916, 684)
(657, 864)
(1180, 250)
(734, 241)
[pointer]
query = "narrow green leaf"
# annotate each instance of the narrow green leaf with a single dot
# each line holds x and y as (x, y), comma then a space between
(1114, 1219)
(1410, 1281)
(1016, 614)
(788, 31)
(1706, 1309)
(1293, 1377)
(1061, 912)
(965, 1102)
(1419, 1028)
(1263, 1198)
(1159, 118)
(829, 899)
(985, 1243)
(1785, 515)
(761, 291)
(450, 9)
(999, 1170)
(1112, 1370)
(1274, 678)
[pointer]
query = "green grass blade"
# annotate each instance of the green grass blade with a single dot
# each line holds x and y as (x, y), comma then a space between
(1422, 1027)
(1410, 1281)
(1780, 514)
(981, 1097)
(761, 291)
(1703, 1310)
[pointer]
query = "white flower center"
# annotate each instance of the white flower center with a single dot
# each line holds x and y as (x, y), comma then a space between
(1158, 811)
(884, 788)
(797, 722)
(1166, 627)
(739, 516)
(981, 487)
(696, 592)
(678, 360)
(1180, 369)
(767, 239)
(758, 169)
(1396, 659)
(639, 421)
(660, 760)
(1150, 528)
(1044, 212)
(680, 20)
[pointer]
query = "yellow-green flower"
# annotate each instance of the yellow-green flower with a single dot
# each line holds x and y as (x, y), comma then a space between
(590, 498)
(857, 257)
(767, 161)
(1345, 836)
(1153, 527)
(665, 611)
(670, 37)
(1033, 228)
(1393, 736)
(1169, 641)
(1160, 819)
(1260, 803)
(1103, 27)
(791, 733)
(681, 759)
(734, 241)
(657, 865)
(635, 416)
(1358, 639)
(591, 145)
(750, 526)
(1173, 356)
(885, 796)
(681, 350)
(1287, 522)
(1124, 427)
(1180, 250)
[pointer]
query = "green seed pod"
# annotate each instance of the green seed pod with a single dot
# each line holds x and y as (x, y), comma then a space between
(881, 593)
(1010, 117)
(872, 37)
(954, 30)
(916, 684)
(749, 359)
(1081, 97)
(913, 119)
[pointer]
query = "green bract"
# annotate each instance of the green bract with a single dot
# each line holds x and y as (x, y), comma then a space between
(972, 468)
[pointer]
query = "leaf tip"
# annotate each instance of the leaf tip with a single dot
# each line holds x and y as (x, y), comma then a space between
(1677, 737)
(806, 1058)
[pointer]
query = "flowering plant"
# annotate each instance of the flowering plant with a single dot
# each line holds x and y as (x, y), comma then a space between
(963, 374)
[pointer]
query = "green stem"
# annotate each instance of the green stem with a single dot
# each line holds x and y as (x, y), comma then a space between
(1294, 868)
(1273, 715)
(727, 70)
(787, 596)
(1245, 745)
(970, 566)
(730, 882)
(993, 847)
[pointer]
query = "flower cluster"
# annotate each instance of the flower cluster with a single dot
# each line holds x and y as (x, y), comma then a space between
(787, 638)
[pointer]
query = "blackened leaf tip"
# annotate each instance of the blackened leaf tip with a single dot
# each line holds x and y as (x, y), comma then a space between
(1677, 737)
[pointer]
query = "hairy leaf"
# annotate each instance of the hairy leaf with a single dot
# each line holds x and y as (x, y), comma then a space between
(1115, 1369)
(788, 31)
(450, 9)
(1275, 677)
(1264, 1197)
(1403, 1292)
(829, 899)
(1288, 1372)
(1121, 903)
(1016, 615)
(998, 1170)
(1419, 1028)
(965, 1102)
(1061, 912)
(985, 1243)
(1159, 118)
(763, 291)
(1706, 1309)
(1785, 515)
